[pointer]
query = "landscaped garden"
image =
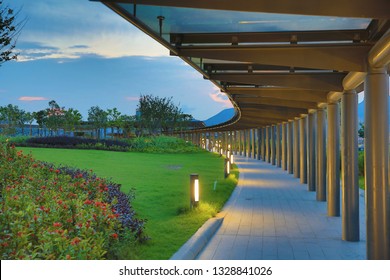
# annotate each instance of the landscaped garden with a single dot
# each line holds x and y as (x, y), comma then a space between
(53, 212)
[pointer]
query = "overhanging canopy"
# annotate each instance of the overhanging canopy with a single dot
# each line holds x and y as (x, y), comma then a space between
(274, 61)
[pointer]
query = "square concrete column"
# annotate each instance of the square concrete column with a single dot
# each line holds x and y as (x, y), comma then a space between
(311, 151)
(290, 147)
(349, 165)
(253, 131)
(278, 146)
(258, 143)
(376, 155)
(334, 159)
(303, 149)
(284, 146)
(321, 155)
(296, 156)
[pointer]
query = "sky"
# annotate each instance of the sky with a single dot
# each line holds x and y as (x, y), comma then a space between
(82, 54)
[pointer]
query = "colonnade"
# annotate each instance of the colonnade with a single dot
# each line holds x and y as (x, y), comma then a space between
(309, 147)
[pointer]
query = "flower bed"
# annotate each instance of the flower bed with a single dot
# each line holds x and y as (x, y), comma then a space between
(60, 213)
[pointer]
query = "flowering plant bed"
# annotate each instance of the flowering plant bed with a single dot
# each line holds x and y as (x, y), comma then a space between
(50, 212)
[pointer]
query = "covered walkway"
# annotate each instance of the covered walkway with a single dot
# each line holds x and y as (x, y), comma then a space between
(271, 215)
(292, 73)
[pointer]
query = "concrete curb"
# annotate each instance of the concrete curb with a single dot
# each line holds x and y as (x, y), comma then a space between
(191, 249)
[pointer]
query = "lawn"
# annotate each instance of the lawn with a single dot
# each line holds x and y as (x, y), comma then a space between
(161, 183)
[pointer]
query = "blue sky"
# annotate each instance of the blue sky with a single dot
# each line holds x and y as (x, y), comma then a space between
(82, 54)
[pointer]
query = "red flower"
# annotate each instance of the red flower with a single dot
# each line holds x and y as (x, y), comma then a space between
(75, 241)
(57, 224)
(88, 202)
(35, 217)
(114, 235)
(57, 171)
(68, 257)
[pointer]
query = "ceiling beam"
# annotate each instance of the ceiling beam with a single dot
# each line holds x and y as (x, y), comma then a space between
(340, 57)
(357, 35)
(245, 107)
(276, 102)
(315, 81)
(281, 93)
(339, 8)
(248, 67)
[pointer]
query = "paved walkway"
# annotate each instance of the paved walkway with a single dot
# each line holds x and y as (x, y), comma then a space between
(271, 215)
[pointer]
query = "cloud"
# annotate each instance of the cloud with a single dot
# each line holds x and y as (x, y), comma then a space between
(219, 97)
(80, 28)
(132, 98)
(32, 98)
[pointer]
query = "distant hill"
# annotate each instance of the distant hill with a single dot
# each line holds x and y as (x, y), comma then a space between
(361, 111)
(221, 117)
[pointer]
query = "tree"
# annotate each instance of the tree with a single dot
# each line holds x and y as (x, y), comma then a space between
(97, 117)
(361, 130)
(114, 120)
(29, 117)
(9, 116)
(40, 117)
(127, 124)
(72, 118)
(9, 31)
(55, 117)
(21, 119)
(156, 114)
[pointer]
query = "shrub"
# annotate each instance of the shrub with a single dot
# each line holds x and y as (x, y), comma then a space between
(60, 213)
(162, 144)
(361, 163)
(66, 141)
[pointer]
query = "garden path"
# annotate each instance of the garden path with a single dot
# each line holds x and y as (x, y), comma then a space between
(271, 215)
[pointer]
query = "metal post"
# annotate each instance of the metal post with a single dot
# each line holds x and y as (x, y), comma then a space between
(263, 143)
(290, 147)
(284, 146)
(273, 146)
(296, 155)
(377, 164)
(350, 190)
(248, 142)
(334, 159)
(311, 151)
(240, 142)
(253, 143)
(267, 150)
(259, 143)
(321, 156)
(278, 147)
(303, 149)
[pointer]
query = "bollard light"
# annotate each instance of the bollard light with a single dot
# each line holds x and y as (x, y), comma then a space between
(227, 168)
(194, 190)
(231, 159)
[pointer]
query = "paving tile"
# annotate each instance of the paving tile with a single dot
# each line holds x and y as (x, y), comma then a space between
(271, 215)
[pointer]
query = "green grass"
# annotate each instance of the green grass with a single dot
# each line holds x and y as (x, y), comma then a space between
(161, 183)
